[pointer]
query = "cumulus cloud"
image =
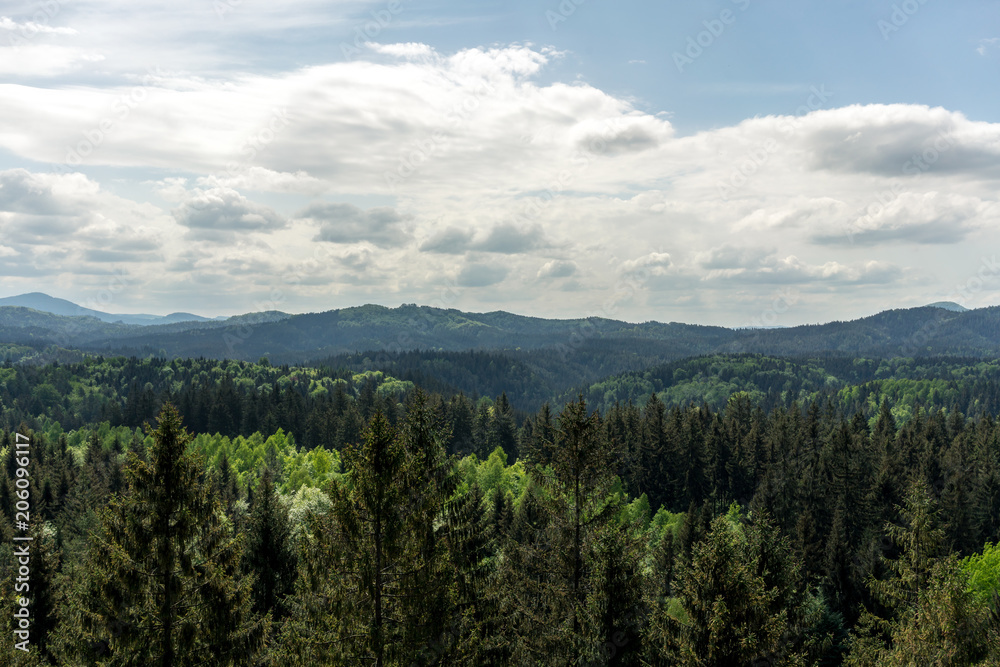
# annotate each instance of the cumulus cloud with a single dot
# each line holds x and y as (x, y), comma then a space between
(481, 274)
(402, 50)
(504, 238)
(218, 214)
(509, 239)
(925, 218)
(731, 257)
(267, 180)
(346, 223)
(653, 264)
(452, 241)
(472, 155)
(42, 194)
(791, 270)
(899, 140)
(557, 268)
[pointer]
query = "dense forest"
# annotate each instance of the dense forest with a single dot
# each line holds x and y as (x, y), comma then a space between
(722, 510)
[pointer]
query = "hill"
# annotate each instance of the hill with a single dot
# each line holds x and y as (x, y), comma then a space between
(55, 306)
(573, 352)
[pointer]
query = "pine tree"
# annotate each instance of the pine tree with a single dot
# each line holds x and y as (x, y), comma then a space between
(269, 556)
(738, 594)
(574, 483)
(615, 610)
(163, 585)
(474, 636)
(367, 565)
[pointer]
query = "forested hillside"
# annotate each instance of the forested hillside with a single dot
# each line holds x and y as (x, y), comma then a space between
(744, 510)
(602, 345)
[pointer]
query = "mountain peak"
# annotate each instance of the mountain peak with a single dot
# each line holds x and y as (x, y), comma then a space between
(948, 305)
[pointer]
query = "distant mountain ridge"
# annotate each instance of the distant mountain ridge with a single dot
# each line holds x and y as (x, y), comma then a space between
(48, 304)
(612, 345)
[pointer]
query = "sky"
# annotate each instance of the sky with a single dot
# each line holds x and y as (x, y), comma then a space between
(732, 162)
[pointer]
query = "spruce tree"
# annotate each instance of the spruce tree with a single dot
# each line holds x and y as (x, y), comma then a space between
(368, 575)
(269, 555)
(558, 553)
(163, 586)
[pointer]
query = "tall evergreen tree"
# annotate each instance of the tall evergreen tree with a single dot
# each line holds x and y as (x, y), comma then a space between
(163, 587)
(367, 569)
(269, 556)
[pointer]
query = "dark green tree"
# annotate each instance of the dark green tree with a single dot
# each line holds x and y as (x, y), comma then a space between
(269, 556)
(164, 587)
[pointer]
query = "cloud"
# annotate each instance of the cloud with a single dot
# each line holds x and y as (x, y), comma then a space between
(266, 180)
(359, 259)
(452, 241)
(478, 155)
(557, 268)
(633, 139)
(731, 257)
(653, 264)
(987, 44)
(899, 141)
(345, 223)
(791, 270)
(509, 239)
(218, 214)
(505, 238)
(29, 29)
(402, 50)
(40, 194)
(912, 217)
(479, 274)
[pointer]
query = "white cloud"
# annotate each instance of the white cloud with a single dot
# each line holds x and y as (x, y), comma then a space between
(29, 29)
(557, 268)
(986, 44)
(481, 274)
(266, 180)
(424, 158)
(407, 50)
(346, 223)
(220, 214)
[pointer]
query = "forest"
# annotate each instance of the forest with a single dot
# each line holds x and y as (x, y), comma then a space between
(198, 512)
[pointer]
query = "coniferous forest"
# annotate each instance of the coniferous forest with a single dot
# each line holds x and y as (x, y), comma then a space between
(198, 512)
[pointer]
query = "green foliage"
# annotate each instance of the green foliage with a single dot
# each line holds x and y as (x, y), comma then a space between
(737, 599)
(163, 586)
(554, 538)
(368, 571)
(983, 572)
